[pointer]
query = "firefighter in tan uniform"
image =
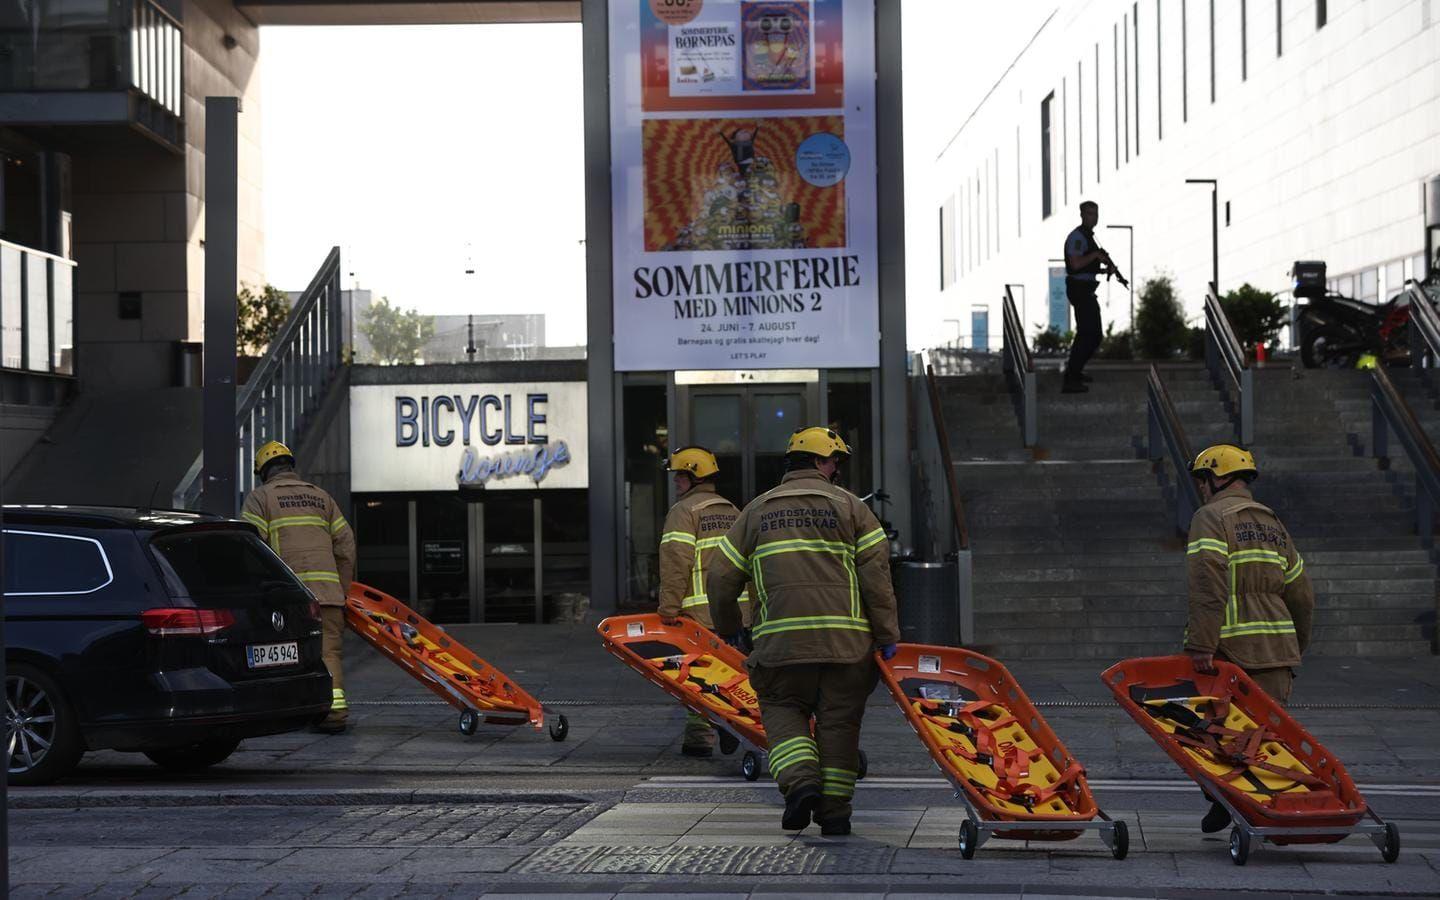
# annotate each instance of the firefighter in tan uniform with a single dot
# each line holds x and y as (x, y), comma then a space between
(820, 564)
(304, 526)
(1251, 603)
(688, 548)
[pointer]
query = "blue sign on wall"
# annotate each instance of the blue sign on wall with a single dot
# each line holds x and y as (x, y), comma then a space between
(1059, 304)
(980, 328)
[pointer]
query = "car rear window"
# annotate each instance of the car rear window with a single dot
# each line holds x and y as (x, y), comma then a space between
(210, 566)
(43, 563)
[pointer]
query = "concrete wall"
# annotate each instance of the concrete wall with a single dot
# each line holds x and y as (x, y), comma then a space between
(1320, 151)
(139, 216)
(21, 426)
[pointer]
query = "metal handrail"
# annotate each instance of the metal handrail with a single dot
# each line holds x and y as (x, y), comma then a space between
(288, 385)
(1019, 371)
(1223, 348)
(1425, 330)
(952, 484)
(1168, 435)
(1390, 412)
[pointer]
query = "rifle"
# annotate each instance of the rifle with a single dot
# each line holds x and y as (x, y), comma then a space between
(1114, 269)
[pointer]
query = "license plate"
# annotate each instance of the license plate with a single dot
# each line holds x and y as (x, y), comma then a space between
(260, 656)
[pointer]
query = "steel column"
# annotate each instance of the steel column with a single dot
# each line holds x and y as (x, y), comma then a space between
(221, 248)
(604, 510)
(893, 439)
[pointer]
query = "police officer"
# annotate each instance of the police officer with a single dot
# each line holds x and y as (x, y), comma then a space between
(820, 564)
(1085, 262)
(688, 547)
(1251, 602)
(305, 528)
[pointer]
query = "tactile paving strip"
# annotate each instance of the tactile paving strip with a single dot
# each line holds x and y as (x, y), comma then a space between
(794, 859)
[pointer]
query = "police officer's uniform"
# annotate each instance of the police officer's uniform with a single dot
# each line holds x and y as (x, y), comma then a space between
(1081, 285)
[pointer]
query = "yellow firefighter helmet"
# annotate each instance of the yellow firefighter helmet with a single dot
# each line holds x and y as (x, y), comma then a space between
(269, 452)
(697, 461)
(822, 442)
(1223, 460)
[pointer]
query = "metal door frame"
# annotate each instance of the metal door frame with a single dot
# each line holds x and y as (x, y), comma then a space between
(682, 432)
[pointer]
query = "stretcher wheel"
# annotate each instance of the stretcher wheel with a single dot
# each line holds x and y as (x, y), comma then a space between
(469, 721)
(559, 728)
(864, 766)
(1120, 840)
(750, 766)
(969, 839)
(1391, 849)
(1239, 846)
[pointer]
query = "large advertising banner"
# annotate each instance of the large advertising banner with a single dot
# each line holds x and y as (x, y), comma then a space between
(743, 184)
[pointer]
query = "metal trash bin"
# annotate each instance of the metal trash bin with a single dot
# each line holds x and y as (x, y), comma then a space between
(928, 594)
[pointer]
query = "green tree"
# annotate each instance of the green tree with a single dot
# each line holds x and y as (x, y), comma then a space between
(396, 335)
(1160, 329)
(259, 316)
(1116, 345)
(1052, 341)
(1256, 316)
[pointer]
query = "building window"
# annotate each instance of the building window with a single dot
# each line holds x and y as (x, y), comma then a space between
(1184, 61)
(996, 196)
(1394, 277)
(1321, 15)
(1135, 21)
(947, 243)
(1115, 106)
(1370, 285)
(1064, 142)
(1212, 51)
(1244, 40)
(1345, 286)
(1080, 125)
(1125, 55)
(1045, 198)
(1019, 205)
(1418, 267)
(1097, 112)
(1279, 28)
(1159, 76)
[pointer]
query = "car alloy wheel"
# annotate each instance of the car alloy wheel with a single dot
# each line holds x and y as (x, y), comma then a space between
(30, 721)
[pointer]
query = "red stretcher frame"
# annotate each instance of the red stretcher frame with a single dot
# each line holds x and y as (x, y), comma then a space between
(989, 680)
(480, 691)
(1324, 818)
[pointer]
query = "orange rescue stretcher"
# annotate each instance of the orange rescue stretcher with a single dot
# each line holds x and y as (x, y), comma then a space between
(479, 690)
(1279, 784)
(708, 676)
(1013, 774)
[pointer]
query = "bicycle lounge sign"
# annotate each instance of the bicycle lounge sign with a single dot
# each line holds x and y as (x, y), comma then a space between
(432, 437)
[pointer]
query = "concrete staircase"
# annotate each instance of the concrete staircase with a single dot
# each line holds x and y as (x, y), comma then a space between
(1074, 548)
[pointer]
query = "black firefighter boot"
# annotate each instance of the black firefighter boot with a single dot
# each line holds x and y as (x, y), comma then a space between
(799, 806)
(1217, 819)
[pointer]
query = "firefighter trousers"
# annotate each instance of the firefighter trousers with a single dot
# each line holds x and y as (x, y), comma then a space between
(1275, 682)
(332, 620)
(834, 694)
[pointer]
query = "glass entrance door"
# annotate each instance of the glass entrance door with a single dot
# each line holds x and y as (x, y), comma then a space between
(747, 428)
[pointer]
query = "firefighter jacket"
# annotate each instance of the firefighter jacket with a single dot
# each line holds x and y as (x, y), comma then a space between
(820, 565)
(304, 527)
(1250, 599)
(689, 547)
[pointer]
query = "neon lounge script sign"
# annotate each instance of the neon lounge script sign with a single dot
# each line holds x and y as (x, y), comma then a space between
(486, 420)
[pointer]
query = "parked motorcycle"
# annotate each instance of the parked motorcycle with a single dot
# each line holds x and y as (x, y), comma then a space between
(1340, 332)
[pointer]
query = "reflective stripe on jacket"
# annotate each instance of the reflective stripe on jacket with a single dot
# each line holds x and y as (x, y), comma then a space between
(820, 565)
(688, 547)
(1250, 599)
(304, 526)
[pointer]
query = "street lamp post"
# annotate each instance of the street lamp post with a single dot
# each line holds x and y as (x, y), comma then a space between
(1130, 263)
(1214, 229)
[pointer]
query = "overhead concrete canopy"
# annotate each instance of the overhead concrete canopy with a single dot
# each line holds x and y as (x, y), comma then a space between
(407, 12)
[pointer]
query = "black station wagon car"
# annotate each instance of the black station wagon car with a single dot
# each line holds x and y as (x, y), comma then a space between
(173, 634)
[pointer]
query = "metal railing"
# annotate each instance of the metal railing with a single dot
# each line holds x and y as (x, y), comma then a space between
(37, 311)
(1225, 359)
(1391, 414)
(1424, 333)
(947, 533)
(157, 55)
(288, 385)
(1167, 438)
(1019, 371)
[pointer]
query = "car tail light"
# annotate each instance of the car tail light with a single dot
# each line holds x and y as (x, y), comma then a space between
(313, 611)
(185, 621)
